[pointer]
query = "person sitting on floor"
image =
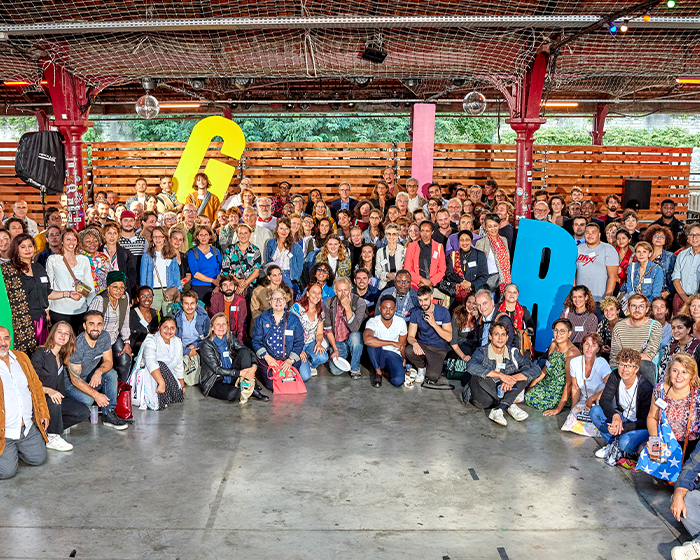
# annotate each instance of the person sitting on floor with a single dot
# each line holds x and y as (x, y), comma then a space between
(685, 507)
(50, 362)
(228, 367)
(192, 327)
(25, 416)
(385, 337)
(624, 406)
(429, 337)
(498, 373)
(309, 309)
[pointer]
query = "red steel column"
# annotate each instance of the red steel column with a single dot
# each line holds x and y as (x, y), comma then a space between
(68, 95)
(599, 124)
(525, 121)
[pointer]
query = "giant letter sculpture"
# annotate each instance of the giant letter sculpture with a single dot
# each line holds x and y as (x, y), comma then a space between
(549, 292)
(219, 173)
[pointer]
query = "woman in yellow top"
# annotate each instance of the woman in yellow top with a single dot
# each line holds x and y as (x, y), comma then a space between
(202, 197)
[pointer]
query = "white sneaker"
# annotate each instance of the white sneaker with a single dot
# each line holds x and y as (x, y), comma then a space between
(602, 452)
(496, 415)
(687, 551)
(517, 413)
(314, 372)
(57, 443)
(408, 382)
(420, 375)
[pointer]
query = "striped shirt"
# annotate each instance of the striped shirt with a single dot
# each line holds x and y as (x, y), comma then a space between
(581, 323)
(135, 245)
(644, 338)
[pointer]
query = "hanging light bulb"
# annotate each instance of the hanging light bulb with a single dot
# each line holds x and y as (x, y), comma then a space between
(147, 107)
(624, 27)
(474, 103)
(670, 4)
(647, 17)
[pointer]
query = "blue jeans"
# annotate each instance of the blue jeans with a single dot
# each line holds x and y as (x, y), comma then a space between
(312, 360)
(629, 441)
(386, 359)
(108, 387)
(287, 278)
(354, 346)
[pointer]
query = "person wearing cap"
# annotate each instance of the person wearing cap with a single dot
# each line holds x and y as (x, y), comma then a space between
(129, 238)
(114, 306)
(466, 268)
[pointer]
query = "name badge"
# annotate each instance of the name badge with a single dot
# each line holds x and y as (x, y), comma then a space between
(385, 261)
(467, 329)
(578, 329)
(234, 308)
(44, 280)
(662, 404)
(144, 323)
(368, 302)
(435, 255)
(647, 281)
(471, 264)
(209, 255)
(289, 332)
(226, 354)
(502, 365)
(438, 322)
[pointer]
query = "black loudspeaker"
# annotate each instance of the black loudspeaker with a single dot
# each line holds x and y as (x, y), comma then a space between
(40, 161)
(637, 194)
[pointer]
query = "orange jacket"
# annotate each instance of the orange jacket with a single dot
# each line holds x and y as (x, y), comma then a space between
(41, 409)
(437, 263)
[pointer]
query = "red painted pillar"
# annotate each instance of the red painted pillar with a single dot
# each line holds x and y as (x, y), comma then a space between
(422, 144)
(525, 121)
(68, 95)
(599, 124)
(42, 120)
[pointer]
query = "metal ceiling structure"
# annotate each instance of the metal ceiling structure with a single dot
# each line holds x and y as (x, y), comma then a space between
(279, 56)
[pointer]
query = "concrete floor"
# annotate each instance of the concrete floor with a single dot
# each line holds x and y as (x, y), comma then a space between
(346, 471)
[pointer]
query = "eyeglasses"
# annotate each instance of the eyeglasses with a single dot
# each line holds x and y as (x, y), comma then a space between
(277, 299)
(118, 288)
(322, 271)
(560, 331)
(397, 281)
(659, 236)
(627, 366)
(189, 211)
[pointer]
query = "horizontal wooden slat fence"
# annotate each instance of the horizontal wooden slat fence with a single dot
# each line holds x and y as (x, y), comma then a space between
(598, 170)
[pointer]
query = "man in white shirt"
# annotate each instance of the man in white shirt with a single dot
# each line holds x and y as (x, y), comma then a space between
(260, 234)
(415, 201)
(385, 338)
(685, 272)
(20, 208)
(265, 217)
(140, 196)
(234, 199)
(24, 415)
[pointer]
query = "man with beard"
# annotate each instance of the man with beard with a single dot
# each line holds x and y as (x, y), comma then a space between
(260, 234)
(363, 289)
(232, 304)
(53, 244)
(429, 336)
(612, 203)
(435, 193)
(540, 211)
(130, 240)
(405, 296)
(265, 217)
(25, 415)
(103, 213)
(149, 220)
(90, 370)
(669, 220)
(489, 196)
(186, 226)
(52, 217)
(140, 195)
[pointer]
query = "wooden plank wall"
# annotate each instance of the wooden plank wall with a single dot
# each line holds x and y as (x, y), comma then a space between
(598, 170)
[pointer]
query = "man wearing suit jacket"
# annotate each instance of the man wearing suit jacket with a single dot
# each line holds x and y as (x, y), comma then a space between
(344, 201)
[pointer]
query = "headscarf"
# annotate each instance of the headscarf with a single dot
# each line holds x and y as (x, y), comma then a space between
(116, 276)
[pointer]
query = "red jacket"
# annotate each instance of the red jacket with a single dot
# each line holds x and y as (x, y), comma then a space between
(237, 314)
(437, 263)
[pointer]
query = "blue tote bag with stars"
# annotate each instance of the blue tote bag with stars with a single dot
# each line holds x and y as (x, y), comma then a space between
(671, 452)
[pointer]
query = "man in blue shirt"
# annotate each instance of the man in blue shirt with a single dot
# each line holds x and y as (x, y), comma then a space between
(429, 336)
(685, 506)
(405, 296)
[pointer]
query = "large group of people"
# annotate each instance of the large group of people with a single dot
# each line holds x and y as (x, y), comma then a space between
(217, 294)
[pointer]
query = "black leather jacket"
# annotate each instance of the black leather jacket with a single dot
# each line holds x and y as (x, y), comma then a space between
(211, 369)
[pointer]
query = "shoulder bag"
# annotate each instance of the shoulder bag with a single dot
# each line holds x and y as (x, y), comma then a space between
(289, 383)
(81, 287)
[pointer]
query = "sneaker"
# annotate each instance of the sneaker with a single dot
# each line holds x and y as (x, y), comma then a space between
(57, 443)
(517, 413)
(412, 373)
(355, 375)
(408, 382)
(496, 415)
(466, 394)
(314, 372)
(420, 375)
(110, 418)
(687, 551)
(602, 452)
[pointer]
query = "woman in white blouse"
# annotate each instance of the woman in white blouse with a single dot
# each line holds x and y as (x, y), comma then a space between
(390, 258)
(70, 305)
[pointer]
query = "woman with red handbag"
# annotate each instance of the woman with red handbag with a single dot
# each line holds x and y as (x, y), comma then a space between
(278, 341)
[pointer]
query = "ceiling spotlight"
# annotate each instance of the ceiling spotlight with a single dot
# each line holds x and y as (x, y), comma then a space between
(362, 81)
(243, 83)
(305, 106)
(411, 83)
(407, 104)
(458, 82)
(289, 106)
(147, 107)
(149, 83)
(670, 4)
(623, 27)
(396, 104)
(198, 83)
(247, 106)
(374, 53)
(474, 103)
(335, 106)
(351, 105)
(647, 17)
(234, 105)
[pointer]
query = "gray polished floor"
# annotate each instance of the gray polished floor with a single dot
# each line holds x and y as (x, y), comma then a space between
(346, 471)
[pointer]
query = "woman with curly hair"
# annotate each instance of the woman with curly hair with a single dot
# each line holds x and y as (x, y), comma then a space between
(322, 275)
(285, 253)
(579, 308)
(691, 308)
(335, 255)
(381, 198)
(611, 308)
(661, 239)
(100, 263)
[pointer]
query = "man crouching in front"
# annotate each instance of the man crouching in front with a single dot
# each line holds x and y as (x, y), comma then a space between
(498, 374)
(24, 415)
